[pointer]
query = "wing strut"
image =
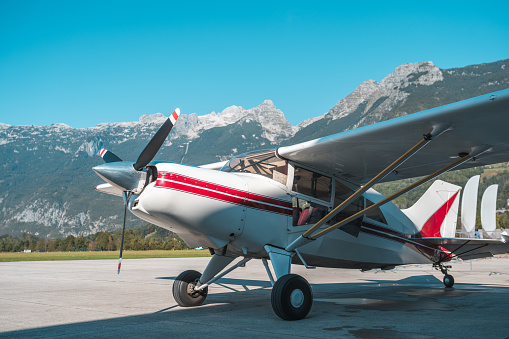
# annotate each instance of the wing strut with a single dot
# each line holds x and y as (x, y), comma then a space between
(306, 238)
(437, 130)
(424, 141)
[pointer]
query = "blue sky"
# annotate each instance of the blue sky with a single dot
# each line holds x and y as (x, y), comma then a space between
(86, 62)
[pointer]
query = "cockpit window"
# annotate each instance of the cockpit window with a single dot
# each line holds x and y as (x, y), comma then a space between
(265, 163)
(312, 184)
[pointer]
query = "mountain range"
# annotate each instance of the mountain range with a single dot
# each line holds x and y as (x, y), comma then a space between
(46, 175)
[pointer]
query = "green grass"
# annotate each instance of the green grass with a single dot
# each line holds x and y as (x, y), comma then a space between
(51, 256)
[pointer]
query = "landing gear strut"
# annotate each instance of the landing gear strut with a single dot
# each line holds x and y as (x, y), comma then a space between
(448, 279)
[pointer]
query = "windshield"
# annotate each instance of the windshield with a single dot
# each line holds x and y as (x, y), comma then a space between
(264, 162)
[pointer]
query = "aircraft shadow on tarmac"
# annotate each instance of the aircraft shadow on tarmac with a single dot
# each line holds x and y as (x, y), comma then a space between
(345, 302)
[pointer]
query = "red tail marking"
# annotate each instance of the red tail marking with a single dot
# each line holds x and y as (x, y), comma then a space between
(432, 227)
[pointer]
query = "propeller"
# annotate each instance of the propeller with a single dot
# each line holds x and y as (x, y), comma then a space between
(127, 175)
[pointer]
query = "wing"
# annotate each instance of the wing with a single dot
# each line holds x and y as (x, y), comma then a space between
(360, 154)
(215, 166)
(466, 248)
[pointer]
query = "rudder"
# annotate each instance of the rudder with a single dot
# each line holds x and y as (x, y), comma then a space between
(435, 214)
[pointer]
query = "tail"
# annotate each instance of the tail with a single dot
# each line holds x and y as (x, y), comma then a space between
(435, 214)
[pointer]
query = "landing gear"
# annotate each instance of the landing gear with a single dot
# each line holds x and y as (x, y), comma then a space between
(291, 297)
(184, 289)
(448, 279)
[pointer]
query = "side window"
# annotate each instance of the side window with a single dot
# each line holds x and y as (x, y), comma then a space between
(375, 214)
(280, 173)
(312, 184)
(307, 212)
(341, 193)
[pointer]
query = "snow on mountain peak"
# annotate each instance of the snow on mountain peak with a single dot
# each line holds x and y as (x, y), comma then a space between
(158, 118)
(60, 126)
(271, 119)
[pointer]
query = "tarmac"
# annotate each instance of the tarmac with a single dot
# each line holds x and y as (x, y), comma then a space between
(87, 299)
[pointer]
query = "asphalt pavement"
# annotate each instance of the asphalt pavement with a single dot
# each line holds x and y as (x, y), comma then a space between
(88, 299)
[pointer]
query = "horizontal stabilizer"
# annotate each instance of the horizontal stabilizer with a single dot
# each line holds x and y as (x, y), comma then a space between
(467, 248)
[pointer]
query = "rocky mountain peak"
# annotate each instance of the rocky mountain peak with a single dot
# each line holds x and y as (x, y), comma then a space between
(370, 91)
(422, 73)
(271, 119)
(157, 118)
(362, 93)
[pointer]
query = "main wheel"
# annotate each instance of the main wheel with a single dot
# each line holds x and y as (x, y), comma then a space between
(183, 289)
(291, 297)
(448, 280)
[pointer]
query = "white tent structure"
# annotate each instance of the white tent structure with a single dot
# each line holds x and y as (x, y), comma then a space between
(488, 210)
(469, 205)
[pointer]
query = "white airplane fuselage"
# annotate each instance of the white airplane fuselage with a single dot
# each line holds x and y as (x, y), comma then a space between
(246, 211)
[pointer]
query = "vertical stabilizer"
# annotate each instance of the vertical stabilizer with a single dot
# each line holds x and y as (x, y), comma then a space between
(435, 214)
(469, 204)
(489, 210)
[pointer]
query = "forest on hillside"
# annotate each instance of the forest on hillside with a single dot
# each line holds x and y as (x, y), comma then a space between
(147, 237)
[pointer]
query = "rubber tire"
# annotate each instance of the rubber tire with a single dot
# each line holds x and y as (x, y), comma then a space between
(182, 289)
(448, 280)
(281, 297)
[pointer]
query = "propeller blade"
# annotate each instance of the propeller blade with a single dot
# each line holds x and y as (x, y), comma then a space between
(126, 195)
(108, 156)
(156, 142)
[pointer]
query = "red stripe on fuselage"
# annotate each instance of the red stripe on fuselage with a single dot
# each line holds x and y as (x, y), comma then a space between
(223, 193)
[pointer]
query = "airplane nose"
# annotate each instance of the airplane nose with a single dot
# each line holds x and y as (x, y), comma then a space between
(120, 174)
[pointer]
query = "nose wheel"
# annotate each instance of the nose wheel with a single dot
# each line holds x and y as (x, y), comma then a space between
(291, 297)
(184, 291)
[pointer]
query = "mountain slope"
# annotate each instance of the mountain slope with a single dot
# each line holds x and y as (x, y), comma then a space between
(46, 173)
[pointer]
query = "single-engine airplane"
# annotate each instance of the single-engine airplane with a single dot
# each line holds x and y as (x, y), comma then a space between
(313, 203)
